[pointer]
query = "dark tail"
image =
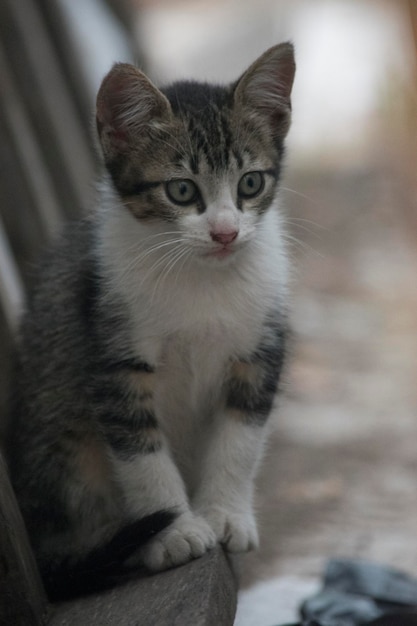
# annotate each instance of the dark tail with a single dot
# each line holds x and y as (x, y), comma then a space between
(103, 567)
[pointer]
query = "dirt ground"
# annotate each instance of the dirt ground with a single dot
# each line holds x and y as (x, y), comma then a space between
(340, 477)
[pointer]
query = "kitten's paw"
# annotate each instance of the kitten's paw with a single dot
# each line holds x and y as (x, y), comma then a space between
(189, 537)
(237, 531)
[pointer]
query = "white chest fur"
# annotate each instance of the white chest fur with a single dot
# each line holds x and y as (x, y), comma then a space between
(190, 323)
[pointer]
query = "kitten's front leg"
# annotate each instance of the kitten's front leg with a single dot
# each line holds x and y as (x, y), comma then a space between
(151, 482)
(148, 478)
(225, 496)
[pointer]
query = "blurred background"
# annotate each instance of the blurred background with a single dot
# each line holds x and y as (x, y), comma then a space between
(340, 475)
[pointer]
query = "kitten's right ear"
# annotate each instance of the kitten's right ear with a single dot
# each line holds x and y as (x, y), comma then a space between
(128, 105)
(265, 87)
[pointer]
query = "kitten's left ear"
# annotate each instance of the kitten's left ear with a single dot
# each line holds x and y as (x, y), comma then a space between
(128, 106)
(266, 86)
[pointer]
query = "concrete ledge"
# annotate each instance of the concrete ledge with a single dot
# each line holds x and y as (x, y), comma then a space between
(201, 593)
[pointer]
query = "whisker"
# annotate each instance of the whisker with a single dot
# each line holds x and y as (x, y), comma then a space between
(161, 261)
(293, 225)
(302, 245)
(176, 256)
(295, 220)
(180, 269)
(148, 252)
(301, 195)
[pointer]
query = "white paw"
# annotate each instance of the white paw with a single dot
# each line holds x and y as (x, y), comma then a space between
(237, 531)
(187, 538)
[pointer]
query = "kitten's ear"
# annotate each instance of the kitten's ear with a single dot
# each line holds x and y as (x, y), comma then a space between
(128, 105)
(266, 86)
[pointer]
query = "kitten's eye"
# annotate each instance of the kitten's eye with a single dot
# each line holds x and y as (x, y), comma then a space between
(251, 184)
(181, 191)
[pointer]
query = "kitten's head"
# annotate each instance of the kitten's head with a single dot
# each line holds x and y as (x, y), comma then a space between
(198, 160)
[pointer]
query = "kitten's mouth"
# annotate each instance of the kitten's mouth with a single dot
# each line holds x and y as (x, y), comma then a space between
(221, 252)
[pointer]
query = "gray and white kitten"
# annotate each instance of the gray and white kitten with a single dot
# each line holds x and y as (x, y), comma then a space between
(152, 344)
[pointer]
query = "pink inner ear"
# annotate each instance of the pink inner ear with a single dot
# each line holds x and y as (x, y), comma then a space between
(285, 77)
(109, 126)
(117, 88)
(275, 84)
(267, 84)
(127, 103)
(111, 99)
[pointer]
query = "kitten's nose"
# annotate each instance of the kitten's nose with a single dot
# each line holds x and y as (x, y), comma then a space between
(224, 237)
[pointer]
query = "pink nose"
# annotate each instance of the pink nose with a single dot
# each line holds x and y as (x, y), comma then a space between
(224, 238)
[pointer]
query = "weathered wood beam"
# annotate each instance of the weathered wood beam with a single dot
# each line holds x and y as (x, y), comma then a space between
(22, 598)
(201, 593)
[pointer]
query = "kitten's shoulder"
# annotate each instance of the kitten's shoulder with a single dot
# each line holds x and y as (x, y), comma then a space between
(63, 286)
(67, 253)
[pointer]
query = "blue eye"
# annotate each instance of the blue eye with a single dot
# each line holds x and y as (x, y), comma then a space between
(181, 191)
(251, 184)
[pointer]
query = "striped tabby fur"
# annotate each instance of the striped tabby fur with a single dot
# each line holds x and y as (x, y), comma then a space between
(153, 341)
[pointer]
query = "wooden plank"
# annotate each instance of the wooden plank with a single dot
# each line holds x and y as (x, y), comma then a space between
(58, 103)
(11, 287)
(48, 101)
(22, 599)
(24, 231)
(201, 593)
(71, 58)
(34, 169)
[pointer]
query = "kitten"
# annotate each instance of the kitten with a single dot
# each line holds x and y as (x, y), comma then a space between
(152, 345)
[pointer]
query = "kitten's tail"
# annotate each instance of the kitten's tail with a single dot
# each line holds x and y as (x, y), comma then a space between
(104, 566)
